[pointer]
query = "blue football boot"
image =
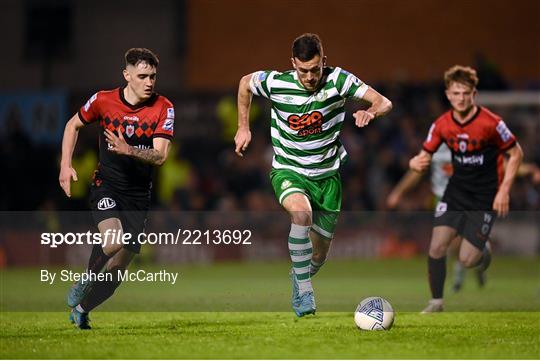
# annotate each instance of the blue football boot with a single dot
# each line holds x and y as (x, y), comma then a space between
(78, 292)
(306, 304)
(295, 290)
(81, 320)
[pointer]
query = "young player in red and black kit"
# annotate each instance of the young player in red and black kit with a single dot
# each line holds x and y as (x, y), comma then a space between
(479, 187)
(137, 128)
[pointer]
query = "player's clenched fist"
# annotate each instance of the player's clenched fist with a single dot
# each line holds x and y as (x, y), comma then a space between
(362, 118)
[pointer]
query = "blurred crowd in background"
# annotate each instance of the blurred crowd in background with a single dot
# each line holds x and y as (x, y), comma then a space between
(57, 61)
(204, 173)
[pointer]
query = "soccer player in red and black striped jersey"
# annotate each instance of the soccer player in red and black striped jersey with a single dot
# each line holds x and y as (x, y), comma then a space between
(478, 190)
(138, 127)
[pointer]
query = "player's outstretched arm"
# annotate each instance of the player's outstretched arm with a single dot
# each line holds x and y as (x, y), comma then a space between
(502, 198)
(243, 134)
(154, 156)
(380, 105)
(71, 133)
(406, 183)
(420, 162)
(529, 170)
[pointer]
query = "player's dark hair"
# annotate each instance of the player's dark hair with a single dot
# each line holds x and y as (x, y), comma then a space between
(461, 74)
(135, 56)
(306, 46)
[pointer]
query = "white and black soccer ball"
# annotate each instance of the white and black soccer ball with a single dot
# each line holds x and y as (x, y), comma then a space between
(374, 313)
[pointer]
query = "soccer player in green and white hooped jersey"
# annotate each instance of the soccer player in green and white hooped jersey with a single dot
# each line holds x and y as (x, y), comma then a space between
(307, 116)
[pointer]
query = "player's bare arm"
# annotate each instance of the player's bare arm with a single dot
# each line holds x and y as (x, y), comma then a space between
(420, 162)
(380, 105)
(409, 180)
(67, 173)
(502, 198)
(529, 170)
(243, 134)
(155, 156)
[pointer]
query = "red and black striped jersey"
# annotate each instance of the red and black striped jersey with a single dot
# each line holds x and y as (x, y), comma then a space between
(139, 125)
(477, 149)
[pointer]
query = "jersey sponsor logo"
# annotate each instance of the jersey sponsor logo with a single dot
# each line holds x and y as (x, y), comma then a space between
(89, 102)
(170, 113)
(106, 203)
(440, 209)
(133, 118)
(503, 131)
(470, 159)
(285, 184)
(130, 129)
(306, 124)
(142, 146)
(168, 125)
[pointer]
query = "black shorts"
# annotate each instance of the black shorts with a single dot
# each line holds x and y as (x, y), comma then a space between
(472, 220)
(107, 203)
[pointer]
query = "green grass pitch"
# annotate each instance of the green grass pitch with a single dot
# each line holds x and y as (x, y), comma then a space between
(242, 311)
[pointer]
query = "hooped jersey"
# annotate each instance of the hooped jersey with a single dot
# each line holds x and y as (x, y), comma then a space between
(305, 125)
(139, 125)
(477, 150)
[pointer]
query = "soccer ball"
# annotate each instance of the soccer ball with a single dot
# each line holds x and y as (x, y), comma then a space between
(374, 313)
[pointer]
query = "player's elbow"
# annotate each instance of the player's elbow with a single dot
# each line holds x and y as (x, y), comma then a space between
(386, 105)
(516, 153)
(519, 153)
(159, 161)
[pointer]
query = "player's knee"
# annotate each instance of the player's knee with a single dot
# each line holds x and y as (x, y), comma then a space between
(468, 260)
(110, 249)
(319, 256)
(302, 218)
(437, 250)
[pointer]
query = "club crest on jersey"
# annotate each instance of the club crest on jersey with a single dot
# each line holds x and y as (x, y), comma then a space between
(130, 129)
(285, 184)
(306, 124)
(106, 203)
(462, 145)
(440, 209)
(321, 96)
